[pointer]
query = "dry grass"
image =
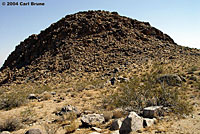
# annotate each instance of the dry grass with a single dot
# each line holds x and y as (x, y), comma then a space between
(28, 115)
(51, 128)
(13, 99)
(17, 95)
(145, 91)
(10, 123)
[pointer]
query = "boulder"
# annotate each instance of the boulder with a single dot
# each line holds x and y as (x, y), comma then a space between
(116, 124)
(132, 122)
(92, 120)
(153, 111)
(33, 131)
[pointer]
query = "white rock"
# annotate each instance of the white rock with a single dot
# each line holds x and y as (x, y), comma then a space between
(96, 129)
(115, 132)
(152, 112)
(92, 119)
(148, 122)
(5, 132)
(132, 122)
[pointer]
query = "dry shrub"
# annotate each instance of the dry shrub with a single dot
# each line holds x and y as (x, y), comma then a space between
(51, 128)
(17, 96)
(46, 96)
(107, 115)
(28, 115)
(67, 122)
(10, 124)
(71, 128)
(12, 100)
(145, 91)
(118, 114)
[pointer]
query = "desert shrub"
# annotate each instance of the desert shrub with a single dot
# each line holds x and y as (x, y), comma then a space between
(10, 124)
(107, 115)
(51, 128)
(71, 127)
(145, 91)
(41, 88)
(12, 100)
(28, 115)
(66, 121)
(17, 96)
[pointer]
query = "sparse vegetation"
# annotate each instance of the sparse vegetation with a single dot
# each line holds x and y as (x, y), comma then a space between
(145, 91)
(28, 115)
(71, 128)
(51, 128)
(17, 96)
(12, 99)
(10, 124)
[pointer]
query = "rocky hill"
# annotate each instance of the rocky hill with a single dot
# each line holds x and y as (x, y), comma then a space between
(92, 41)
(99, 72)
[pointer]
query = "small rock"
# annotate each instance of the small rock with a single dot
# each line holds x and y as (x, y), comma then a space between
(92, 120)
(96, 129)
(88, 112)
(122, 79)
(152, 112)
(33, 131)
(5, 132)
(67, 109)
(53, 93)
(132, 122)
(116, 124)
(148, 122)
(89, 87)
(32, 96)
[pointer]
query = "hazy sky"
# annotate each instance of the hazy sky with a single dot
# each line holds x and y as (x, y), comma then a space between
(178, 18)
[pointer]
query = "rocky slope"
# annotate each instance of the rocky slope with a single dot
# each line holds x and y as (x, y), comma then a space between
(93, 41)
(93, 72)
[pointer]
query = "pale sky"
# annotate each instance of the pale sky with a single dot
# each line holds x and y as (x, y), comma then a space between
(180, 19)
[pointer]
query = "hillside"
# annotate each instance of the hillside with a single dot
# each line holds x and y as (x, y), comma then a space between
(93, 41)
